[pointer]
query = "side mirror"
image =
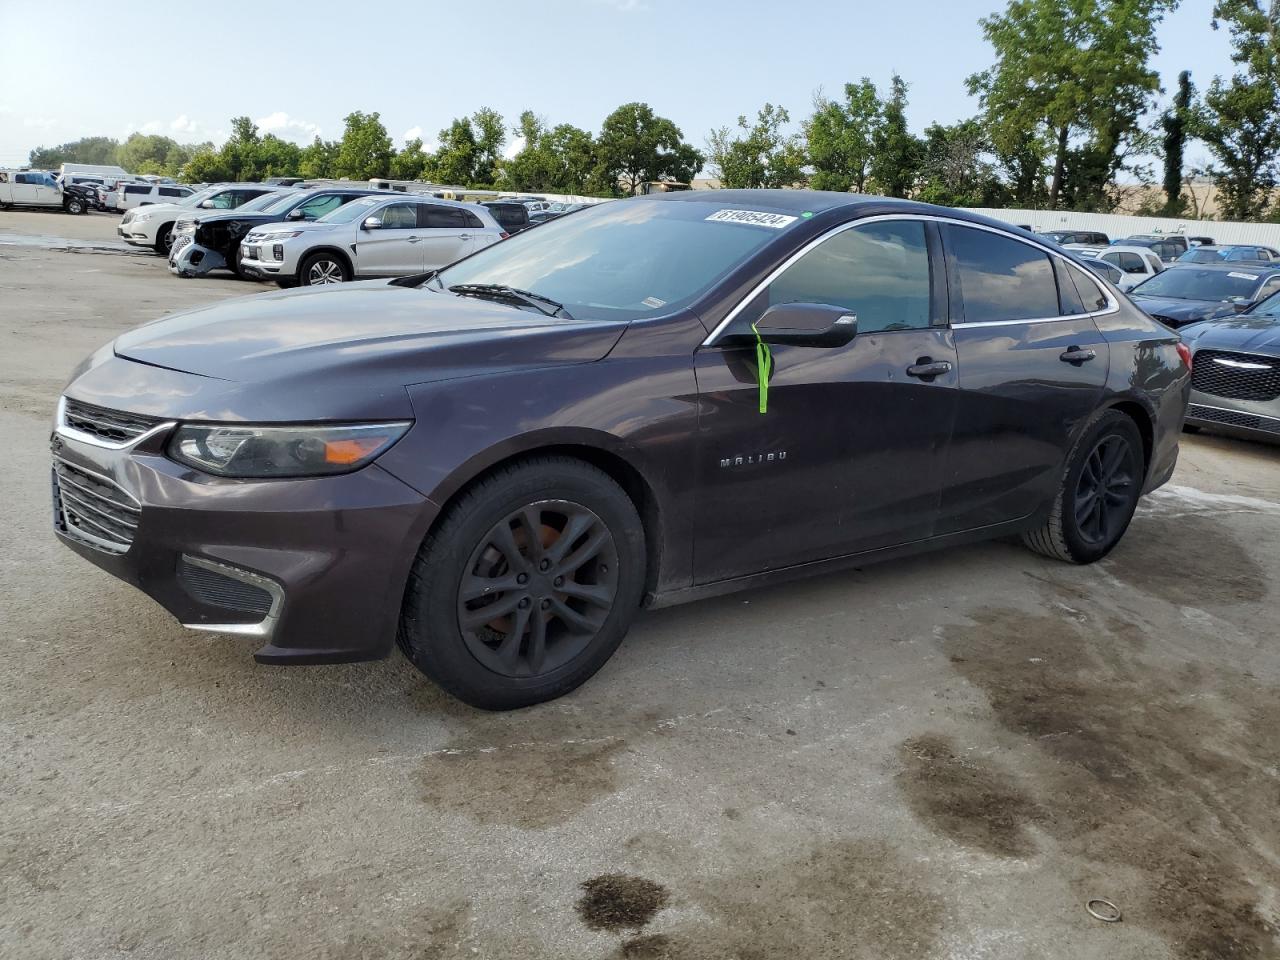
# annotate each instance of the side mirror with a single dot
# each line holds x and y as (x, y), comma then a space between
(802, 325)
(1240, 304)
(206, 204)
(371, 223)
(295, 214)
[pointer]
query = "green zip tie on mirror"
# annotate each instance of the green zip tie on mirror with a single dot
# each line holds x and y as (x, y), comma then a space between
(764, 367)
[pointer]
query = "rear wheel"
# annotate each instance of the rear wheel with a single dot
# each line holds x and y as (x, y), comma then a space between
(323, 268)
(527, 586)
(1099, 493)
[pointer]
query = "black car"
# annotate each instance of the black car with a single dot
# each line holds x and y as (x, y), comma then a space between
(499, 463)
(211, 241)
(1090, 237)
(1187, 292)
(512, 216)
(1235, 373)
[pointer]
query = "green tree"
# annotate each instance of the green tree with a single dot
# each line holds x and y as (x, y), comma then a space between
(100, 150)
(636, 146)
(206, 166)
(365, 150)
(149, 153)
(1240, 119)
(240, 154)
(410, 162)
(318, 160)
(760, 156)
(490, 133)
(841, 137)
(455, 160)
(956, 168)
(1069, 69)
(897, 152)
(1174, 124)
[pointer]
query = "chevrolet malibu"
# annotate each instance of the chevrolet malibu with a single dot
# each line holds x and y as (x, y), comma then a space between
(498, 464)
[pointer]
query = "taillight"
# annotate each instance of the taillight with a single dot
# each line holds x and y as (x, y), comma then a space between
(1185, 353)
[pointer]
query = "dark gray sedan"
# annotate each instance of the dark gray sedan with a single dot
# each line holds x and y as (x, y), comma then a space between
(1190, 292)
(1235, 380)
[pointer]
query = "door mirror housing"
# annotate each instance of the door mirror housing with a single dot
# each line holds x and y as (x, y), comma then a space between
(371, 223)
(206, 204)
(295, 214)
(1240, 304)
(801, 325)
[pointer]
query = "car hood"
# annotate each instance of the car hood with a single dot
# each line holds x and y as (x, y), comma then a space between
(164, 209)
(1182, 311)
(375, 334)
(249, 216)
(276, 225)
(1243, 334)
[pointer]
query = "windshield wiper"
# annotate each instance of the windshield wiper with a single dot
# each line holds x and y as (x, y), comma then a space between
(500, 291)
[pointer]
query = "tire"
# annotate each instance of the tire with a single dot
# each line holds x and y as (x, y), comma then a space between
(314, 270)
(588, 532)
(75, 205)
(1098, 494)
(164, 239)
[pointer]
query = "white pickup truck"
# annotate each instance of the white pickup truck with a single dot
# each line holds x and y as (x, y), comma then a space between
(35, 188)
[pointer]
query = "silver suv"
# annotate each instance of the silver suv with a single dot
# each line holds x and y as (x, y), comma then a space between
(392, 236)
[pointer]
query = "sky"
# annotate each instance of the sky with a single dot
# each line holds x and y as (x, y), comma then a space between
(298, 69)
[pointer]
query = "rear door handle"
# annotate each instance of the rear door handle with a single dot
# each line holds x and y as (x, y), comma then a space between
(926, 368)
(1076, 356)
(414, 239)
(464, 236)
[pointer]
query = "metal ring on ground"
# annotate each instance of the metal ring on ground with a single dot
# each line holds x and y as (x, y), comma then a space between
(1113, 917)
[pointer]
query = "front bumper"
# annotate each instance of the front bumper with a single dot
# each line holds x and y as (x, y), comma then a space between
(135, 233)
(188, 259)
(256, 261)
(316, 567)
(1254, 418)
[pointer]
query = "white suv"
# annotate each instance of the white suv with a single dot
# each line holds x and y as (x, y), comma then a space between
(130, 195)
(152, 225)
(371, 237)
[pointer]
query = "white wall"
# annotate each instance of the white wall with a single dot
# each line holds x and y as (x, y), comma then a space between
(1115, 225)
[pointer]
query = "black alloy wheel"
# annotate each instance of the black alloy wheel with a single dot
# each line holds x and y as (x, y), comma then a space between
(538, 588)
(1106, 490)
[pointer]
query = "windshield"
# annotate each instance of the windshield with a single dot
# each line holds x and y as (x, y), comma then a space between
(197, 198)
(1201, 255)
(350, 212)
(267, 201)
(626, 259)
(1190, 283)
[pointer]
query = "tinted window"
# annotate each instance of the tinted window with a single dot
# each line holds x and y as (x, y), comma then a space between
(879, 271)
(472, 220)
(226, 200)
(1091, 294)
(441, 218)
(1070, 304)
(173, 192)
(141, 188)
(1131, 263)
(1001, 278)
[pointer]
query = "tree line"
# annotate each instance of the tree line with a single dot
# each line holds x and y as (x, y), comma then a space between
(1064, 117)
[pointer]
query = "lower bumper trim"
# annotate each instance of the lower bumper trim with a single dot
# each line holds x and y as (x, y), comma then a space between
(264, 627)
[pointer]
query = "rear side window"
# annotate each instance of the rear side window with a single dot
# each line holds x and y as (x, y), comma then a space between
(1001, 278)
(134, 191)
(472, 220)
(878, 271)
(172, 192)
(440, 218)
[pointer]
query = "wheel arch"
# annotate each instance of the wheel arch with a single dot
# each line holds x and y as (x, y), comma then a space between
(1144, 419)
(326, 248)
(605, 452)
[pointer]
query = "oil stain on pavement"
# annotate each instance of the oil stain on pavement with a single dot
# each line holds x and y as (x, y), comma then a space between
(1169, 771)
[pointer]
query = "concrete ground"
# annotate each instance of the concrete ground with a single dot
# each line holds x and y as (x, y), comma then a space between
(939, 757)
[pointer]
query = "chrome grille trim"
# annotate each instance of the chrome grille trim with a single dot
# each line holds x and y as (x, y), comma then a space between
(263, 628)
(105, 518)
(1235, 375)
(99, 427)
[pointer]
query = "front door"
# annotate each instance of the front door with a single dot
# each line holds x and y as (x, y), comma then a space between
(848, 455)
(1032, 367)
(393, 249)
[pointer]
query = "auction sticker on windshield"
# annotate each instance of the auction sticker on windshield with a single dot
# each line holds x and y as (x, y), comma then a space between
(775, 221)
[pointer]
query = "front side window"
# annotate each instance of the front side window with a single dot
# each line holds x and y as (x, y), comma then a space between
(317, 207)
(1001, 278)
(399, 216)
(878, 271)
(223, 201)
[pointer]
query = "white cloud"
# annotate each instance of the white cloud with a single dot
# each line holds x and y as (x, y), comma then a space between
(283, 125)
(413, 133)
(184, 124)
(514, 146)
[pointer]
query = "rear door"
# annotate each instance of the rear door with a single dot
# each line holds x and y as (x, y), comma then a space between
(445, 235)
(1032, 368)
(849, 453)
(395, 248)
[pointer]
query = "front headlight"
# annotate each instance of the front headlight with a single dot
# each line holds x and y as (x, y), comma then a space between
(142, 218)
(246, 451)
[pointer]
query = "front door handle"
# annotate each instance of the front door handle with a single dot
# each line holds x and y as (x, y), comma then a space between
(926, 368)
(464, 236)
(414, 239)
(1076, 356)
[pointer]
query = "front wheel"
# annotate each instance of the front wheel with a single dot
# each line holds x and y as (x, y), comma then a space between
(323, 268)
(1099, 493)
(527, 586)
(75, 205)
(164, 239)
